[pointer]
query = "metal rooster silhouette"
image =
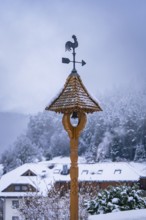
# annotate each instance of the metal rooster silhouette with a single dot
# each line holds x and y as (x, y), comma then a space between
(70, 44)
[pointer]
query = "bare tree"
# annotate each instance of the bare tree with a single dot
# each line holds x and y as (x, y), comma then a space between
(56, 206)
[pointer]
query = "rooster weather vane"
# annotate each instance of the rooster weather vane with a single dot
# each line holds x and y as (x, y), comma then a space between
(72, 45)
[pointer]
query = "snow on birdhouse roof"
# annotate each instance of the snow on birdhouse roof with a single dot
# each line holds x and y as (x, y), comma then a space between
(74, 97)
(48, 172)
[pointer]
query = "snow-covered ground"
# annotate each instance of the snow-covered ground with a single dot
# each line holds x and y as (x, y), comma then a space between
(139, 214)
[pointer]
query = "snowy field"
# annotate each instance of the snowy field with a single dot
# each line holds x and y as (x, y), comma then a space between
(139, 214)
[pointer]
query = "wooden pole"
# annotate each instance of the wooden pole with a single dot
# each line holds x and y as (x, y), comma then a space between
(74, 133)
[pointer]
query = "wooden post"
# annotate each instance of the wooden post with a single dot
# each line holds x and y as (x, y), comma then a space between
(74, 133)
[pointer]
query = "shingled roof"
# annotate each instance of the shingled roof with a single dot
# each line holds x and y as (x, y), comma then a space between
(74, 98)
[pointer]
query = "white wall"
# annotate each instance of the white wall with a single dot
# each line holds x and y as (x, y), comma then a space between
(9, 211)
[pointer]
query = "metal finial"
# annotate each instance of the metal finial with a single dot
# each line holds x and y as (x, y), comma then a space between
(72, 45)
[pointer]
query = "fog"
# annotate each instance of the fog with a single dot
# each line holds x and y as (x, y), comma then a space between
(112, 41)
(111, 37)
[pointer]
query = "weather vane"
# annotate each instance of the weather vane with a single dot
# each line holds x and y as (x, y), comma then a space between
(72, 45)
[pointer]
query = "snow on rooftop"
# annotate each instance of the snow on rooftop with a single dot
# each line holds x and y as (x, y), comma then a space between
(49, 171)
(139, 167)
(15, 176)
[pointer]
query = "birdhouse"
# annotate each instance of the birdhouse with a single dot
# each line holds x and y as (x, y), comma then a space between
(74, 98)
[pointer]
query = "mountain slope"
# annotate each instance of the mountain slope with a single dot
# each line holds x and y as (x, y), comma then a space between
(11, 125)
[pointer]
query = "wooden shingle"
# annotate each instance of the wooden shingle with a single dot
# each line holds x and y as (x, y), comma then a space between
(74, 97)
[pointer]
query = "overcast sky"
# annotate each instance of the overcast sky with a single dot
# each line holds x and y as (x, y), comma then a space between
(33, 33)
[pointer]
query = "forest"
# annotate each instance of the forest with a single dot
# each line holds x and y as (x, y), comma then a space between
(118, 133)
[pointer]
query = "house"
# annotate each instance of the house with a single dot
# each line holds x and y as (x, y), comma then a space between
(39, 177)
(17, 184)
(140, 168)
(102, 175)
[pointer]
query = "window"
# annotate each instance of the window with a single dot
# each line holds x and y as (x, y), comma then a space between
(99, 171)
(20, 188)
(28, 173)
(15, 204)
(17, 188)
(65, 170)
(51, 166)
(84, 172)
(24, 188)
(56, 171)
(118, 171)
(15, 218)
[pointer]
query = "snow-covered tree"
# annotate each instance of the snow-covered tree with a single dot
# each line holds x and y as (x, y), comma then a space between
(118, 198)
(113, 133)
(9, 162)
(140, 153)
(24, 151)
(59, 144)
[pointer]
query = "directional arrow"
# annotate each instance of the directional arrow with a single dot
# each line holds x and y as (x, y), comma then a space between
(83, 62)
(66, 60)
